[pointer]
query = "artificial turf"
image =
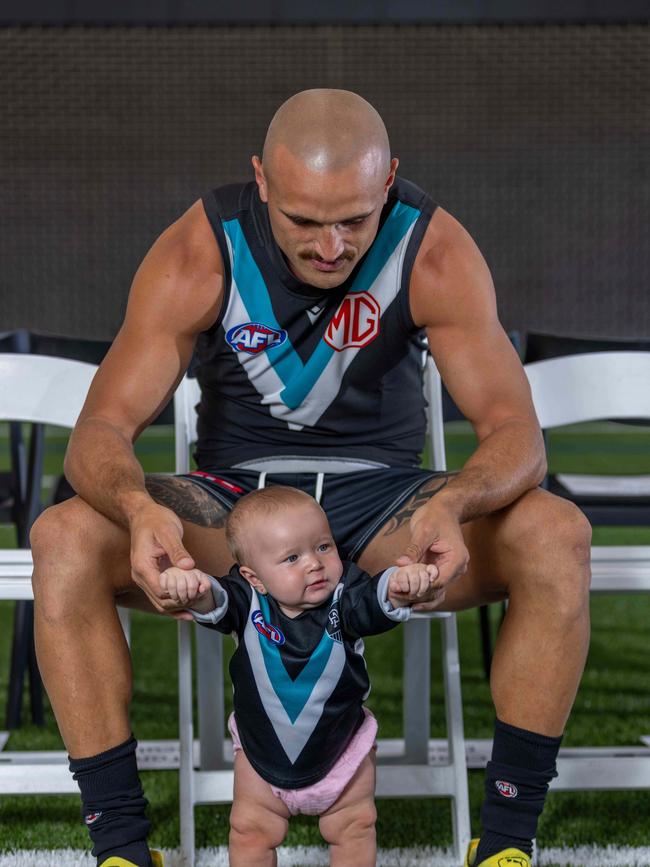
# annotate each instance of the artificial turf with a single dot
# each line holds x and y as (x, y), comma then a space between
(612, 707)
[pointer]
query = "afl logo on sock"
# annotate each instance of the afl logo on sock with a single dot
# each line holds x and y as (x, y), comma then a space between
(90, 818)
(254, 337)
(266, 629)
(508, 790)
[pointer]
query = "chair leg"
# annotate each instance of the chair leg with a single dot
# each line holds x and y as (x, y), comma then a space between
(209, 662)
(186, 739)
(417, 690)
(23, 660)
(35, 682)
(19, 656)
(486, 639)
(456, 737)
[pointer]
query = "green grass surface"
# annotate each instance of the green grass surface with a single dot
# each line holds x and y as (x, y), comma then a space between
(612, 707)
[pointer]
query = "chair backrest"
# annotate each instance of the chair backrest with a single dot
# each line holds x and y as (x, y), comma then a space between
(41, 389)
(435, 421)
(186, 397)
(590, 386)
(541, 345)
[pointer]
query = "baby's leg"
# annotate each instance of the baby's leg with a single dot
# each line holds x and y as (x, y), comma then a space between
(258, 819)
(349, 824)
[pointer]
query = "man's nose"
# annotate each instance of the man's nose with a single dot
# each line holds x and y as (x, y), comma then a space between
(329, 243)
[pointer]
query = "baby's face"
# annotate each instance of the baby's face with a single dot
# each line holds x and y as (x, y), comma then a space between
(293, 554)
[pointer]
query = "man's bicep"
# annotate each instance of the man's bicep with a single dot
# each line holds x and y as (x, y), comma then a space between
(136, 379)
(452, 296)
(482, 373)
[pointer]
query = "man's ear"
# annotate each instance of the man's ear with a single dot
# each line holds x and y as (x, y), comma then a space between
(390, 180)
(247, 573)
(260, 178)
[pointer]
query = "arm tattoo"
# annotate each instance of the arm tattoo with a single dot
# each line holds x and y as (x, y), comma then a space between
(419, 498)
(189, 501)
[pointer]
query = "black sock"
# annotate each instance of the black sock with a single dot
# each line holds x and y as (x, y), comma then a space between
(516, 782)
(114, 804)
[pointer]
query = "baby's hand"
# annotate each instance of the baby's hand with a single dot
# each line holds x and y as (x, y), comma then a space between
(188, 587)
(408, 584)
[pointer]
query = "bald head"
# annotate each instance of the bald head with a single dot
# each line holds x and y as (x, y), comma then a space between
(328, 131)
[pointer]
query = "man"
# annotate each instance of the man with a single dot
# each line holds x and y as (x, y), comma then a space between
(305, 295)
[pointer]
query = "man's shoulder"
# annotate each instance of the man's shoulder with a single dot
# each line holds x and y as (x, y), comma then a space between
(228, 201)
(408, 193)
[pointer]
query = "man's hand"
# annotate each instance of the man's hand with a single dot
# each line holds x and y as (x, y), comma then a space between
(436, 538)
(410, 584)
(191, 588)
(157, 544)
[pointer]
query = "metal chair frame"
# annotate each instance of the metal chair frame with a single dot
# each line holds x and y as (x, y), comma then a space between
(589, 387)
(39, 390)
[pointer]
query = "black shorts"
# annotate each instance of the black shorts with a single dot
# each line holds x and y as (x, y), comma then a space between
(357, 504)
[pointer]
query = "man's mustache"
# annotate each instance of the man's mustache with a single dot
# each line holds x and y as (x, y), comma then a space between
(307, 257)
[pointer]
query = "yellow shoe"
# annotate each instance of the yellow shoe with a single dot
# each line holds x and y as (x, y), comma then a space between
(116, 861)
(506, 858)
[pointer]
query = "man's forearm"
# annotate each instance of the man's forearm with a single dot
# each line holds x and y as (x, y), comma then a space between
(102, 468)
(508, 462)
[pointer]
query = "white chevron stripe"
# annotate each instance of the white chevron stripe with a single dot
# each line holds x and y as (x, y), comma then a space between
(292, 736)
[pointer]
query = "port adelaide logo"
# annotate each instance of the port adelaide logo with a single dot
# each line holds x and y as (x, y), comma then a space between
(255, 337)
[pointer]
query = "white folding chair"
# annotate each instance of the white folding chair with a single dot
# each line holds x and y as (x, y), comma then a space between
(590, 387)
(38, 389)
(405, 768)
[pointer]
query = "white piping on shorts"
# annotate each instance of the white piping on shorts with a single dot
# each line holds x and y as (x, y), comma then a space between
(298, 464)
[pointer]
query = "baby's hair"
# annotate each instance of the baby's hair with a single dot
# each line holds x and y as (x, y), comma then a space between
(264, 501)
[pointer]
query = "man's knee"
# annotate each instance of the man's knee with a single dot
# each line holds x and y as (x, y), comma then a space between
(68, 542)
(56, 529)
(551, 538)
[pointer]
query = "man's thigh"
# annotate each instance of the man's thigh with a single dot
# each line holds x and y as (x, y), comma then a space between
(494, 544)
(203, 520)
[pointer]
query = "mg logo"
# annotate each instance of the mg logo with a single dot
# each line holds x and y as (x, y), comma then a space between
(355, 323)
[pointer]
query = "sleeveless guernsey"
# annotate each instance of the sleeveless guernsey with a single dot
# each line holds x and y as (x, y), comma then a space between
(289, 369)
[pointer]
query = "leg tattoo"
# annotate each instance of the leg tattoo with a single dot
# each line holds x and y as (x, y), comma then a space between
(419, 498)
(189, 501)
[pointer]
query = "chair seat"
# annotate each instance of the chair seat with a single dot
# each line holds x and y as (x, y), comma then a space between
(602, 488)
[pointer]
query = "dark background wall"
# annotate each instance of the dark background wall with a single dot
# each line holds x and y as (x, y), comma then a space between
(535, 136)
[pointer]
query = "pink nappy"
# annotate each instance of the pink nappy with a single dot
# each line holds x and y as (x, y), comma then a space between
(315, 800)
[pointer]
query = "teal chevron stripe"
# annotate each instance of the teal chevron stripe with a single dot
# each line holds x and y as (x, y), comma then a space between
(256, 300)
(294, 694)
(399, 221)
(300, 379)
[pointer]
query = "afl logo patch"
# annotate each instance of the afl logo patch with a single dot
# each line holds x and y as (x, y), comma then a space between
(266, 629)
(508, 790)
(355, 323)
(254, 337)
(91, 818)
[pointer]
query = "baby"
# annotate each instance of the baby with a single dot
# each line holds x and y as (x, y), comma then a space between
(303, 741)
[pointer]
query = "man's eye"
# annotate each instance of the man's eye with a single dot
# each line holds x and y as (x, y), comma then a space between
(298, 221)
(357, 222)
